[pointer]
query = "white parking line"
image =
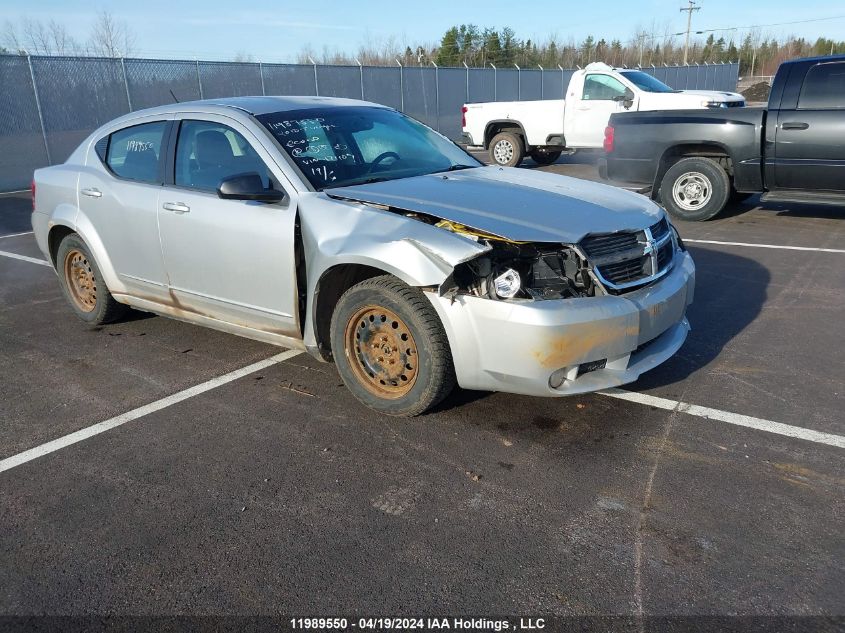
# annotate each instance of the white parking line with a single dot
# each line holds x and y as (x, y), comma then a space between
(31, 260)
(640, 398)
(134, 414)
(731, 418)
(16, 234)
(776, 246)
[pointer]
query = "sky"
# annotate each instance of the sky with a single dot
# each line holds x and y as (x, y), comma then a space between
(277, 30)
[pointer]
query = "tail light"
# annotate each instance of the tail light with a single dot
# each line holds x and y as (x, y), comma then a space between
(608, 139)
(464, 116)
(32, 192)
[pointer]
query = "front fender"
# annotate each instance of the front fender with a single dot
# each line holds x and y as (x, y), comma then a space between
(338, 232)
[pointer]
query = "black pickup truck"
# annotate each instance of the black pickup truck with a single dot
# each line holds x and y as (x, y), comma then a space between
(696, 161)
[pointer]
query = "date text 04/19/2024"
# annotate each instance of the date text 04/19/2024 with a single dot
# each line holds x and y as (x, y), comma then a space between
(400, 623)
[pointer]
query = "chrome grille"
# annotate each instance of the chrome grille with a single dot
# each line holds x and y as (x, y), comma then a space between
(626, 270)
(630, 259)
(659, 229)
(600, 245)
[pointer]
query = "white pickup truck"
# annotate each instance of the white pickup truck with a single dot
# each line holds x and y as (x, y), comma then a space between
(510, 130)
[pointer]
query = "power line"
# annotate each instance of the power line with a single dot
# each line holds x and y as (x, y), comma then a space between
(760, 26)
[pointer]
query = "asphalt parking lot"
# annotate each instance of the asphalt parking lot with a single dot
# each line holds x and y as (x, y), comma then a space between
(273, 491)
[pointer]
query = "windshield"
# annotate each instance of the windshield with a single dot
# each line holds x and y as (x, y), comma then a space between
(646, 82)
(350, 145)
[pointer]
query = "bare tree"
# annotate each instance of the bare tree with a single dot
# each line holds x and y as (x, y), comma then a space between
(10, 38)
(62, 41)
(111, 37)
(38, 38)
(243, 57)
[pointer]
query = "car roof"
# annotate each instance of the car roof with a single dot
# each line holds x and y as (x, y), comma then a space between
(257, 105)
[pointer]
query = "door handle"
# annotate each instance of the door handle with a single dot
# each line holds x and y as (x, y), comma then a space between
(794, 125)
(92, 192)
(176, 207)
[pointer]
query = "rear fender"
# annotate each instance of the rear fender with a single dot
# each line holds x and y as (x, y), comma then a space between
(69, 216)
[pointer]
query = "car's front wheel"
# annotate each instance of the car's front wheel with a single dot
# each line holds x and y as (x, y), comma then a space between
(83, 284)
(695, 189)
(390, 348)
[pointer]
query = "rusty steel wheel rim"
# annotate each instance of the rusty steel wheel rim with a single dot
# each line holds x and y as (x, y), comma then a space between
(381, 351)
(80, 281)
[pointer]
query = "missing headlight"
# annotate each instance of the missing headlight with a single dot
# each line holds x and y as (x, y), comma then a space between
(543, 271)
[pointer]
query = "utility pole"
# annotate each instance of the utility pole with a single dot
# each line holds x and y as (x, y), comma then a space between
(689, 11)
(642, 41)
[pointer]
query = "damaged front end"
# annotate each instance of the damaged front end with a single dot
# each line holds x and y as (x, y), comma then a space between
(512, 270)
(555, 318)
(560, 319)
(599, 264)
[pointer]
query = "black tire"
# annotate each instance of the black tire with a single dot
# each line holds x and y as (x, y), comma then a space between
(431, 361)
(97, 306)
(507, 149)
(683, 189)
(545, 157)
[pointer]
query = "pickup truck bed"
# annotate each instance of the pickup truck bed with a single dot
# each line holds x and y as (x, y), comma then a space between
(696, 161)
(646, 144)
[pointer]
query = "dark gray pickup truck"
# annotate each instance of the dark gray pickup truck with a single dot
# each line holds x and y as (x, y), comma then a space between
(696, 161)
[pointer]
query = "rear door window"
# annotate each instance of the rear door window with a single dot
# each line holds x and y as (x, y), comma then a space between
(824, 87)
(133, 152)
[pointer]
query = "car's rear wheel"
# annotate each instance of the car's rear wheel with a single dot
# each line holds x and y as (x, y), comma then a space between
(545, 157)
(390, 348)
(83, 284)
(695, 189)
(507, 149)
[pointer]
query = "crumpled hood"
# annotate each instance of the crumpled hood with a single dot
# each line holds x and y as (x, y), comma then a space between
(518, 204)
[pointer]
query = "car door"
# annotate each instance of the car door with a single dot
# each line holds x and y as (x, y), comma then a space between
(231, 260)
(810, 135)
(118, 199)
(586, 117)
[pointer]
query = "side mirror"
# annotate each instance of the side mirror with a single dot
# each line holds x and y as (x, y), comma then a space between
(248, 187)
(627, 98)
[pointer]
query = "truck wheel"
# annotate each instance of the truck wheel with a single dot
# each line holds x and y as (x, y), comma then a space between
(83, 284)
(390, 348)
(507, 149)
(695, 189)
(545, 157)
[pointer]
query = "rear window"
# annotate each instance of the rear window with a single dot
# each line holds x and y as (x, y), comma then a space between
(824, 87)
(133, 152)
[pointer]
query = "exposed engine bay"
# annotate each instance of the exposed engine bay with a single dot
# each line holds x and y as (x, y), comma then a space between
(511, 269)
(543, 271)
(519, 270)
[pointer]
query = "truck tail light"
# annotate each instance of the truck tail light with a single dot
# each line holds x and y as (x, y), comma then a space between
(608, 139)
(32, 193)
(464, 116)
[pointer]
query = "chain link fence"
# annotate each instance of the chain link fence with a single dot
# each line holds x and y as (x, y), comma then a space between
(48, 105)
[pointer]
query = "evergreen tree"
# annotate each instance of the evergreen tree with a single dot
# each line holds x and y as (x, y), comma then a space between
(509, 46)
(449, 54)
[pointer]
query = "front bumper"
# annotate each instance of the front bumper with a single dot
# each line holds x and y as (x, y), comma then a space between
(517, 347)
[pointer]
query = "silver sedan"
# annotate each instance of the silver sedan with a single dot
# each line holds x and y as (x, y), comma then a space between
(356, 233)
